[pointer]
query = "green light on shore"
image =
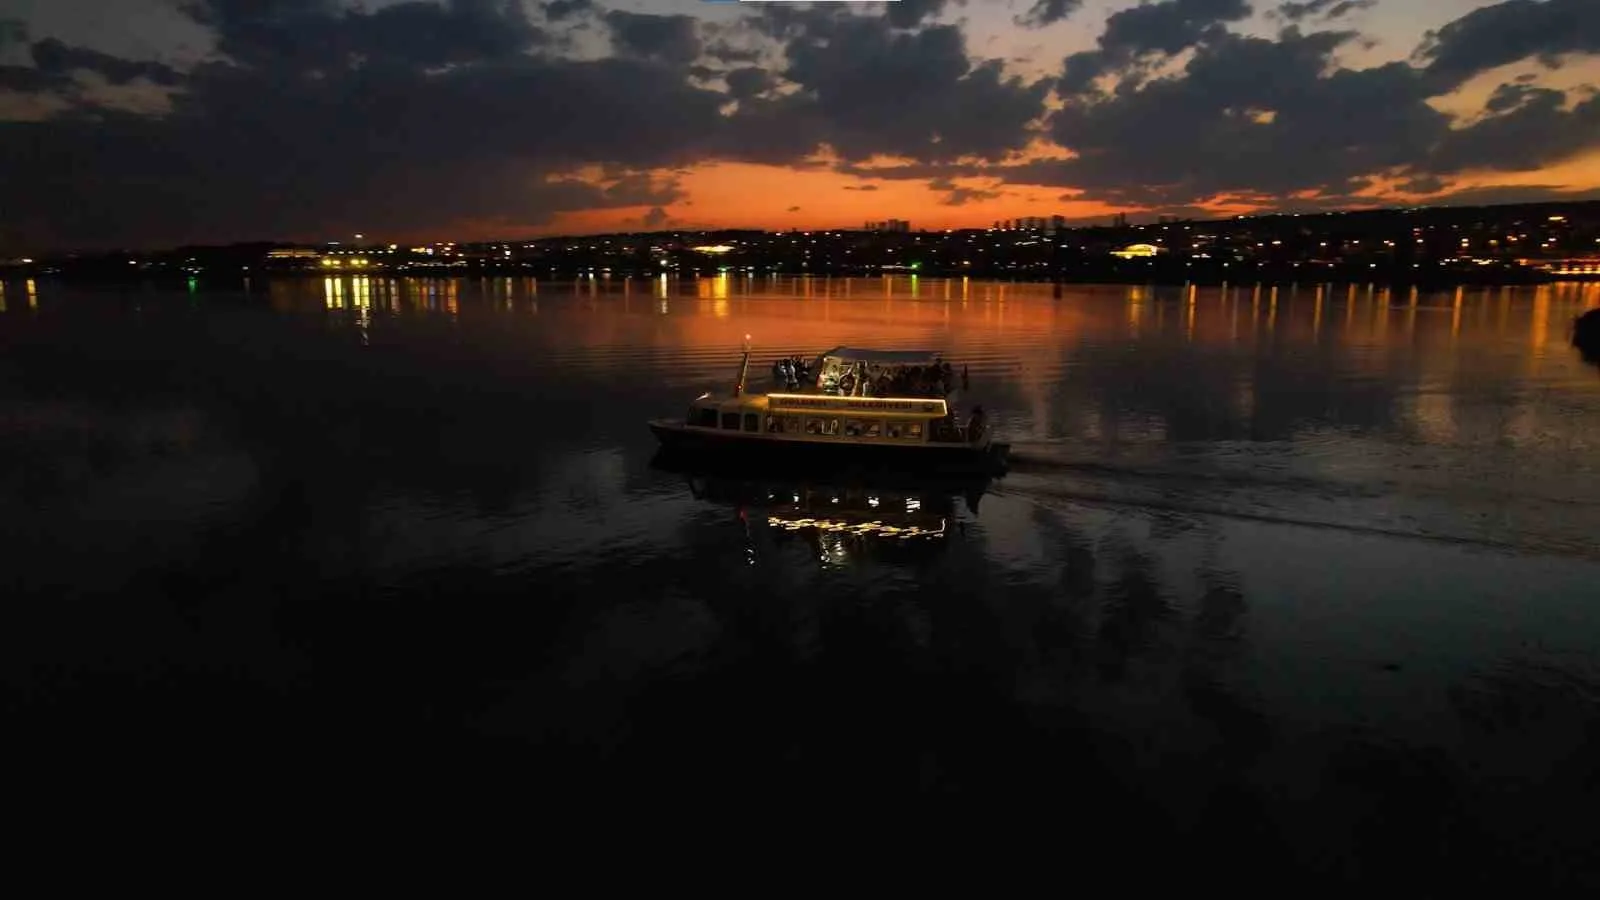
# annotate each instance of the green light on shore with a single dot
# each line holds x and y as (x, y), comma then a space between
(194, 284)
(916, 265)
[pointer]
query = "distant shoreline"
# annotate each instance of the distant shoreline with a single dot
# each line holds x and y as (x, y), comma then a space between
(1424, 247)
(1133, 274)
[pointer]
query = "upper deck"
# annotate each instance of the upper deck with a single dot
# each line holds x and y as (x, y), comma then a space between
(893, 397)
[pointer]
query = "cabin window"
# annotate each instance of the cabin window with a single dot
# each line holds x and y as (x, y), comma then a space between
(774, 424)
(874, 429)
(705, 418)
(894, 430)
(814, 426)
(752, 422)
(854, 427)
(832, 428)
(791, 424)
(730, 421)
(914, 431)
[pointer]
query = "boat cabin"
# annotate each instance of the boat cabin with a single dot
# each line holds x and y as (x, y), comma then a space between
(847, 395)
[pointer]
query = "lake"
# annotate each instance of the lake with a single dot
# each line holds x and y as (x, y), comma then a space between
(1307, 574)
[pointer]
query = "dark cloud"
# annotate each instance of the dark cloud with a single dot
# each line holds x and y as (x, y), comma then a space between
(1528, 130)
(1048, 12)
(429, 113)
(672, 39)
(1326, 9)
(1133, 36)
(359, 142)
(12, 31)
(911, 13)
(963, 196)
(866, 89)
(1509, 32)
(1263, 120)
(313, 35)
(1256, 115)
(655, 218)
(748, 83)
(1422, 184)
(559, 10)
(55, 66)
(725, 52)
(1509, 97)
(914, 171)
(960, 196)
(794, 209)
(1494, 195)
(53, 58)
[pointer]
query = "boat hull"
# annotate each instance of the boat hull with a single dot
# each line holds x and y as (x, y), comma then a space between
(743, 450)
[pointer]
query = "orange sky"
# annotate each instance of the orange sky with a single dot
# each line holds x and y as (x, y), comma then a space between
(728, 195)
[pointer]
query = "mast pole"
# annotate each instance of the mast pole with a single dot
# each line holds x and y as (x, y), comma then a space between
(744, 369)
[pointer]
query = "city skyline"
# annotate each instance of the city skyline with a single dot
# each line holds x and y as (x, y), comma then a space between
(161, 123)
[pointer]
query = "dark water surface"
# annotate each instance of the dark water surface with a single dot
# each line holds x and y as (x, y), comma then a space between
(1301, 581)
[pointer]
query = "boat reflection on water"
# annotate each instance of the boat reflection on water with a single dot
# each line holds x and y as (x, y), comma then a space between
(843, 515)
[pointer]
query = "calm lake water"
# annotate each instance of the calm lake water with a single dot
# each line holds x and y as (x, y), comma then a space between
(1308, 575)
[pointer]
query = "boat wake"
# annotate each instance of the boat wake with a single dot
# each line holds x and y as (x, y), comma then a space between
(1270, 491)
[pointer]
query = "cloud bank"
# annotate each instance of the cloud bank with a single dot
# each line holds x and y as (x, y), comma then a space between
(321, 117)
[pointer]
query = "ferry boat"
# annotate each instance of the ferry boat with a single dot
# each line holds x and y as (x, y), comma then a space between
(847, 407)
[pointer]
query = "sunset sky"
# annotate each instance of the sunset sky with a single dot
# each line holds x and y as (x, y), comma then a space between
(153, 122)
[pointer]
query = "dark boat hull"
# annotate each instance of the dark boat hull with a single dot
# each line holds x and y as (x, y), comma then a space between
(701, 448)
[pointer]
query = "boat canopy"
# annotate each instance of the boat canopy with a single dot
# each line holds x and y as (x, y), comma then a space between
(882, 357)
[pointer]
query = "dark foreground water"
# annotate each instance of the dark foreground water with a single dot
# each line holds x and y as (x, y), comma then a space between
(1298, 584)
